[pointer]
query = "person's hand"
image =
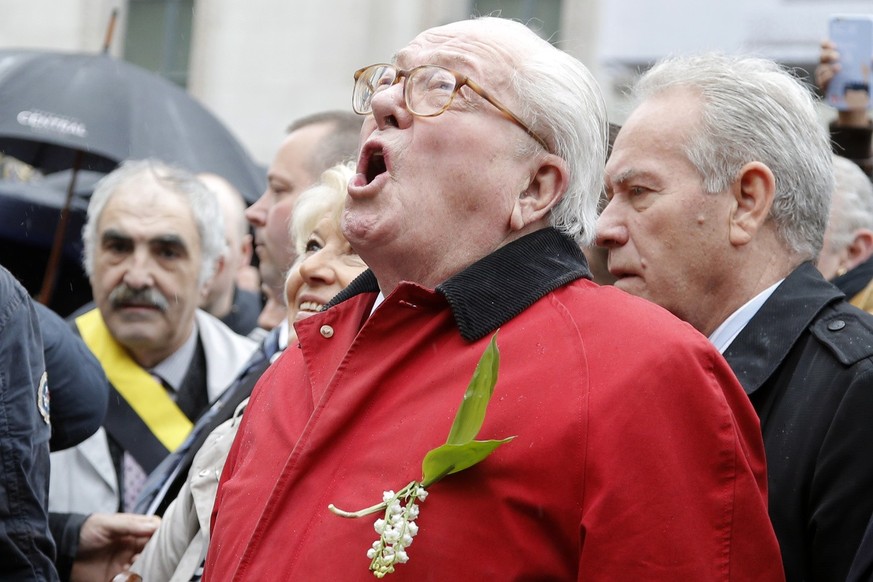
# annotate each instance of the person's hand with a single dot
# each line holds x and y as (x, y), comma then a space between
(828, 65)
(108, 543)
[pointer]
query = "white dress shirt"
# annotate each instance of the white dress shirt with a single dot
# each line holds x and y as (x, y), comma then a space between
(731, 327)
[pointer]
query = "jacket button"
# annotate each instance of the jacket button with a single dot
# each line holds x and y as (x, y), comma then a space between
(836, 325)
(326, 331)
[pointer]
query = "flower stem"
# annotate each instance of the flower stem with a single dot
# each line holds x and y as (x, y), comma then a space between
(373, 508)
(360, 512)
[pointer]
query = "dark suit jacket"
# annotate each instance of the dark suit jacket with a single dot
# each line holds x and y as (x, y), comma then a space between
(862, 567)
(806, 361)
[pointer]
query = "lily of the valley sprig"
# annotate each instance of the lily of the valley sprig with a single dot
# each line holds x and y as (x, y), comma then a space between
(397, 527)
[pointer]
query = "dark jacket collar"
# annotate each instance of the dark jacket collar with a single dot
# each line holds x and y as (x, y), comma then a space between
(764, 343)
(501, 285)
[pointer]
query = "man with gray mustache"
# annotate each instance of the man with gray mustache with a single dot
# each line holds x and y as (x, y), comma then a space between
(151, 242)
(124, 295)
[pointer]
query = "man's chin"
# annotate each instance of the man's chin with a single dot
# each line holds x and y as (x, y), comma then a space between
(136, 327)
(138, 341)
(271, 274)
(631, 284)
(365, 228)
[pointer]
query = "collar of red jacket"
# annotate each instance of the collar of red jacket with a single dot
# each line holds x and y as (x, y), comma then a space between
(501, 285)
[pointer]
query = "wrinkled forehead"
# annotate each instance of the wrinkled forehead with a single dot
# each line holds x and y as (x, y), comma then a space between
(478, 48)
(148, 202)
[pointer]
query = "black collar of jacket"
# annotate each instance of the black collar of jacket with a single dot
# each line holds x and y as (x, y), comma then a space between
(501, 285)
(765, 342)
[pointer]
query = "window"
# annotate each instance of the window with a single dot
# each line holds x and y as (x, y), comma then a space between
(541, 16)
(158, 37)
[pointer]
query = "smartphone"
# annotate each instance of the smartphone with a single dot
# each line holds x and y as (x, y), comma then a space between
(853, 36)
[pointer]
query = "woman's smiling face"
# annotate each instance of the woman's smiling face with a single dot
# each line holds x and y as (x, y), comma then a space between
(326, 267)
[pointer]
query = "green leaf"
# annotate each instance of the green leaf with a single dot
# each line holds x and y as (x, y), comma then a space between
(471, 413)
(449, 459)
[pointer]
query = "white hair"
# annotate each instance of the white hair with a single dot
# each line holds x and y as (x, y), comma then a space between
(558, 97)
(755, 110)
(203, 204)
(852, 206)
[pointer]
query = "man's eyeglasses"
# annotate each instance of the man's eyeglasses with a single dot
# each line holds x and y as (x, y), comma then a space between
(429, 90)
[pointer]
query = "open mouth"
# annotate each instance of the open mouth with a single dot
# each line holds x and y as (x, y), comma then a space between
(375, 166)
(373, 162)
(311, 306)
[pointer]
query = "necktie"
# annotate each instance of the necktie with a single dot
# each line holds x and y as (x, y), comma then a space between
(134, 479)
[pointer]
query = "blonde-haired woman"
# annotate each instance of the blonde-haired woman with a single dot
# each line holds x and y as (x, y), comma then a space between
(326, 262)
(325, 265)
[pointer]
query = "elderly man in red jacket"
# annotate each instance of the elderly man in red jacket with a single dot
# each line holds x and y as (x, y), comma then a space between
(636, 455)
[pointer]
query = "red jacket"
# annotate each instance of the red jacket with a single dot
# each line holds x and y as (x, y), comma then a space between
(637, 454)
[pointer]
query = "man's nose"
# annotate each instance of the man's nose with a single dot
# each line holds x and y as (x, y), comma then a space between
(389, 107)
(256, 214)
(611, 230)
(139, 270)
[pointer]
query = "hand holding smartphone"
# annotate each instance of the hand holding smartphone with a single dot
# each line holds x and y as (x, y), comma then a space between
(853, 36)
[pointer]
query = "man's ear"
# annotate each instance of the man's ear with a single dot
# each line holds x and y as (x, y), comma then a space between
(248, 248)
(753, 192)
(543, 192)
(859, 250)
(220, 265)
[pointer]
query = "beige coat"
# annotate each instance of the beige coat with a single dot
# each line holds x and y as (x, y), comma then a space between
(178, 547)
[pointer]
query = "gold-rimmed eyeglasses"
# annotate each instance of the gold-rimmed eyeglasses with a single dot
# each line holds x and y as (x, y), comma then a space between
(428, 91)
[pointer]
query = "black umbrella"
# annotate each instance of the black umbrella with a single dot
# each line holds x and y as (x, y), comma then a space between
(53, 104)
(29, 213)
(90, 111)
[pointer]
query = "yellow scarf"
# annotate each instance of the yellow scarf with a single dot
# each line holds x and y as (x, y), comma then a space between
(142, 392)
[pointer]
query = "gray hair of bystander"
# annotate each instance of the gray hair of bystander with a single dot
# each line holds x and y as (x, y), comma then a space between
(755, 110)
(852, 205)
(203, 204)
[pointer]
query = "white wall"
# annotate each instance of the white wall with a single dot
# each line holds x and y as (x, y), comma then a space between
(780, 29)
(72, 25)
(260, 64)
(637, 32)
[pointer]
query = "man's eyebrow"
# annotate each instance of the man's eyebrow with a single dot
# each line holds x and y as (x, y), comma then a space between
(111, 234)
(622, 177)
(629, 175)
(169, 239)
